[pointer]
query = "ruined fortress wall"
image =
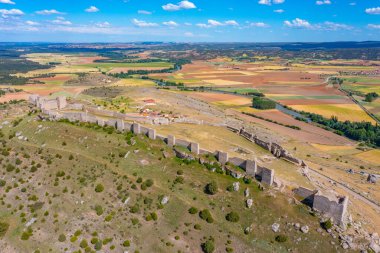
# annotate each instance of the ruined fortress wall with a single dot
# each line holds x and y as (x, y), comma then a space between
(99, 112)
(49, 104)
(238, 162)
(335, 209)
(251, 168)
(144, 130)
(304, 192)
(222, 157)
(182, 143)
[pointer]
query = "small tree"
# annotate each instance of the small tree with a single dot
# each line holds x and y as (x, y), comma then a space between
(211, 188)
(232, 217)
(99, 188)
(208, 246)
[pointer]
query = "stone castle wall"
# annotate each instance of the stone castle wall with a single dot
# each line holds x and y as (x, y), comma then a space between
(334, 208)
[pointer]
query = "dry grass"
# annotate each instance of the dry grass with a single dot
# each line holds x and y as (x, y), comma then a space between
(343, 112)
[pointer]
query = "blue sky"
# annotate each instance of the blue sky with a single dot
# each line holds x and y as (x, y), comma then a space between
(189, 21)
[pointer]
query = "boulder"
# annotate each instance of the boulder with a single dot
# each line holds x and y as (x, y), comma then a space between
(249, 203)
(305, 229)
(164, 200)
(236, 186)
(371, 179)
(246, 193)
(275, 227)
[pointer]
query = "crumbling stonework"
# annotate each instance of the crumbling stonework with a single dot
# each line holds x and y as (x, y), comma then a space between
(171, 141)
(120, 125)
(333, 207)
(152, 134)
(194, 147)
(276, 149)
(251, 168)
(222, 157)
(136, 128)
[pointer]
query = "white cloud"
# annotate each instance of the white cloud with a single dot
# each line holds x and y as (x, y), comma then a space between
(258, 24)
(144, 12)
(231, 22)
(269, 2)
(92, 9)
(331, 26)
(352, 4)
(103, 24)
(325, 26)
(183, 5)
(49, 12)
(188, 24)
(189, 34)
(32, 23)
(298, 23)
(322, 2)
(214, 23)
(373, 11)
(373, 26)
(7, 2)
(141, 23)
(61, 21)
(279, 11)
(170, 23)
(12, 12)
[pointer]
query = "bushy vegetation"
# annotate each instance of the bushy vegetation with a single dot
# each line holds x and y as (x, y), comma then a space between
(262, 103)
(358, 131)
(206, 215)
(211, 188)
(370, 97)
(281, 238)
(208, 246)
(232, 217)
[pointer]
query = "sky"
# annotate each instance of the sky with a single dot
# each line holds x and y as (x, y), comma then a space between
(189, 21)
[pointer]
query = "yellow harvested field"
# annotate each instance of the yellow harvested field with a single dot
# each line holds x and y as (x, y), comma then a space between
(134, 82)
(234, 102)
(372, 156)
(323, 72)
(224, 82)
(329, 148)
(343, 112)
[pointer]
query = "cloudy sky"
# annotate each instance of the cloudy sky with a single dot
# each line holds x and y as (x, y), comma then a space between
(195, 20)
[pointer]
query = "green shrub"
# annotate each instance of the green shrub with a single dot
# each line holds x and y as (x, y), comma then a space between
(206, 215)
(134, 209)
(197, 227)
(2, 182)
(83, 244)
(193, 210)
(149, 182)
(281, 238)
(99, 210)
(179, 180)
(3, 228)
(61, 238)
(232, 217)
(211, 188)
(98, 245)
(126, 243)
(208, 246)
(327, 224)
(99, 188)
